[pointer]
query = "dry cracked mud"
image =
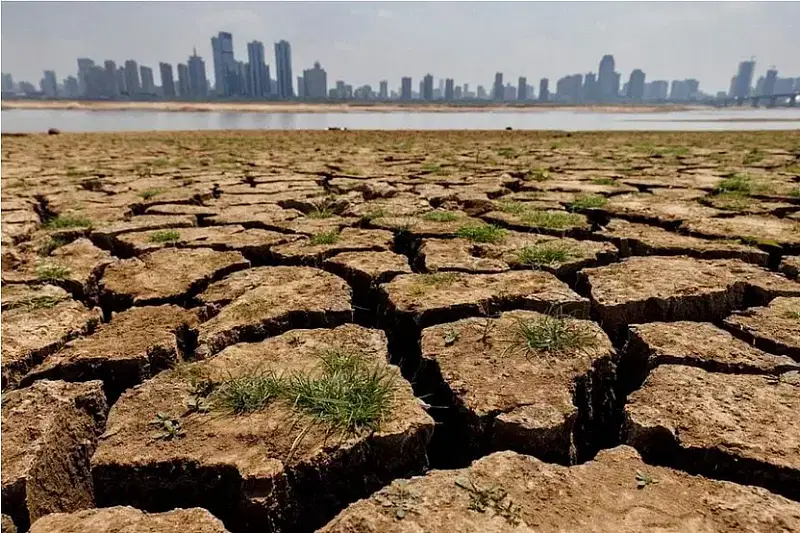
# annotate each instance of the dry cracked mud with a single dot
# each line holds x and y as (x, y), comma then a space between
(270, 466)
(140, 268)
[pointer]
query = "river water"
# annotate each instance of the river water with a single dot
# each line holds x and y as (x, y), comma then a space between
(36, 120)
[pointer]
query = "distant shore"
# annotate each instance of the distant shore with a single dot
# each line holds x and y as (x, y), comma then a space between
(324, 107)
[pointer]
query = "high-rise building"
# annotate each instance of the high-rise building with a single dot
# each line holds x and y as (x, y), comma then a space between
(198, 84)
(759, 88)
(608, 79)
(457, 93)
(132, 78)
(658, 90)
(258, 69)
(769, 83)
(148, 83)
(744, 79)
(183, 81)
(509, 92)
(783, 85)
(84, 64)
(27, 88)
(48, 84)
(449, 89)
(120, 77)
(466, 92)
(544, 94)
(301, 87)
(678, 91)
(167, 80)
(498, 90)
(225, 66)
(405, 88)
(427, 87)
(569, 89)
(636, 85)
(383, 91)
(481, 93)
(111, 78)
(796, 84)
(315, 82)
(8, 83)
(732, 89)
(283, 69)
(693, 87)
(590, 87)
(341, 92)
(522, 88)
(71, 88)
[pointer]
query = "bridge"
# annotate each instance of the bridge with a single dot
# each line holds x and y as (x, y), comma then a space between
(772, 100)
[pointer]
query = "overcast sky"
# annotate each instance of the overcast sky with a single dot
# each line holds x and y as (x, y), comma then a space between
(365, 42)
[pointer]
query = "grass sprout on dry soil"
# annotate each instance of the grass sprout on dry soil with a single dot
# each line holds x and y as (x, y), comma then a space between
(52, 272)
(546, 254)
(325, 237)
(551, 219)
(165, 236)
(549, 334)
(67, 221)
(440, 216)
(483, 233)
(587, 201)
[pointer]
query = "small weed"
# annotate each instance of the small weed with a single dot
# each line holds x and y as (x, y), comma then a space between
(494, 498)
(484, 233)
(440, 216)
(450, 336)
(795, 193)
(50, 245)
(515, 208)
(52, 272)
(165, 236)
(546, 254)
(320, 212)
(732, 201)
(248, 392)
(67, 221)
(435, 280)
(170, 427)
(795, 315)
(735, 183)
(506, 151)
(604, 181)
(753, 156)
(39, 302)
(151, 193)
(549, 334)
(371, 215)
(537, 174)
(551, 219)
(587, 201)
(643, 480)
(325, 237)
(431, 168)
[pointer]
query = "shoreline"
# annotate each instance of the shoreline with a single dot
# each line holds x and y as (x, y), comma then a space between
(308, 107)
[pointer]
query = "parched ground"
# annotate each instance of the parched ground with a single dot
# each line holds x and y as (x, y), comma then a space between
(401, 331)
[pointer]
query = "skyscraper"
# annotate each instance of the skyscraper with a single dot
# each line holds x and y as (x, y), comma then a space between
(744, 79)
(225, 67)
(448, 89)
(183, 81)
(315, 82)
(383, 91)
(427, 87)
(769, 82)
(84, 64)
(8, 83)
(71, 87)
(636, 85)
(148, 83)
(498, 90)
(283, 69)
(607, 79)
(457, 93)
(258, 69)
(48, 84)
(167, 80)
(522, 88)
(544, 94)
(405, 88)
(197, 76)
(111, 78)
(132, 78)
(122, 88)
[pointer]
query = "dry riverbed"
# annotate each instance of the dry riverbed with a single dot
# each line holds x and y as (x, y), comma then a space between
(401, 332)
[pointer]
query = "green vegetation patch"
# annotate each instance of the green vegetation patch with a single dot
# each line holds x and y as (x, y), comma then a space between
(604, 181)
(483, 233)
(587, 201)
(39, 302)
(147, 194)
(740, 184)
(551, 219)
(549, 334)
(325, 237)
(50, 245)
(162, 236)
(537, 174)
(320, 212)
(67, 221)
(347, 392)
(546, 254)
(440, 216)
(52, 272)
(515, 208)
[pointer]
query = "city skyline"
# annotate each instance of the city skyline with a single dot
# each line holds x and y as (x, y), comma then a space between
(342, 36)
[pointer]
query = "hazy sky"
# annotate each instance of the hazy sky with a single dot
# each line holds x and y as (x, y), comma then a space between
(365, 42)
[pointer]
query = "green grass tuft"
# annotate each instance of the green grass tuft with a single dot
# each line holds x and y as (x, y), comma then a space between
(604, 181)
(325, 237)
(39, 302)
(440, 216)
(169, 235)
(320, 212)
(515, 208)
(484, 233)
(151, 193)
(249, 392)
(52, 272)
(67, 221)
(736, 183)
(537, 174)
(551, 219)
(793, 315)
(50, 245)
(587, 201)
(753, 156)
(550, 334)
(546, 254)
(372, 214)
